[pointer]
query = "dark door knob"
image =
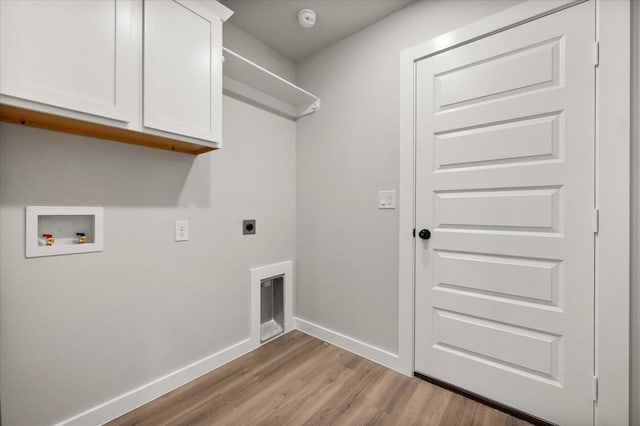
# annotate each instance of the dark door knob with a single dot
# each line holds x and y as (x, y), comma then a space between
(425, 234)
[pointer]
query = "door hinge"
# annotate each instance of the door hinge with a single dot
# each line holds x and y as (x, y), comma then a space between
(595, 389)
(596, 220)
(596, 54)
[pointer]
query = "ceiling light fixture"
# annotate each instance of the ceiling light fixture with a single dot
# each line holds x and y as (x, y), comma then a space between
(306, 18)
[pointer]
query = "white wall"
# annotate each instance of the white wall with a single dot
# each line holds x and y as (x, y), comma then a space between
(79, 330)
(635, 210)
(347, 249)
(255, 50)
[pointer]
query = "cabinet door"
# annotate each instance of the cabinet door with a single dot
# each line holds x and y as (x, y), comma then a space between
(78, 55)
(182, 69)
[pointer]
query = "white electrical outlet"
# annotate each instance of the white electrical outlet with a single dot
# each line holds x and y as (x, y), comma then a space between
(182, 230)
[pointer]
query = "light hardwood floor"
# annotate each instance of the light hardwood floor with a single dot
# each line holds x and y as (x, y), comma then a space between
(300, 380)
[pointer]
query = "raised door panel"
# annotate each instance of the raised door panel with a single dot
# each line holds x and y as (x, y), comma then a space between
(78, 55)
(505, 181)
(182, 70)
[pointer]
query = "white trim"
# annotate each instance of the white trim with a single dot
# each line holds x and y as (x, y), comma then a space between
(208, 9)
(223, 12)
(613, 143)
(406, 216)
(501, 21)
(613, 124)
(135, 398)
(257, 275)
(350, 344)
(128, 401)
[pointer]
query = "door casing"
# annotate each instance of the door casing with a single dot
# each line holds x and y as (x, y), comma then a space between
(612, 171)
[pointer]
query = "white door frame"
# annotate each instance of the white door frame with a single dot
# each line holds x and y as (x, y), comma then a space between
(612, 280)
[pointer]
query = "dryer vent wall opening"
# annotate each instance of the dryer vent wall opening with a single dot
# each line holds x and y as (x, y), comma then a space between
(271, 307)
(271, 301)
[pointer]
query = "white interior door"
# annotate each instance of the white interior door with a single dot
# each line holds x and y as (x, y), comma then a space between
(505, 183)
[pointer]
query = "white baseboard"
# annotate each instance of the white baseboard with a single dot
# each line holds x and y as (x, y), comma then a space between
(350, 344)
(135, 398)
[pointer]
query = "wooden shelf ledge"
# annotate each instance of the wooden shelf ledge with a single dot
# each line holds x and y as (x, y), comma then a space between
(58, 123)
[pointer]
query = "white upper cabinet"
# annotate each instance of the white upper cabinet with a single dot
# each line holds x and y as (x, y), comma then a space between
(182, 69)
(146, 72)
(78, 55)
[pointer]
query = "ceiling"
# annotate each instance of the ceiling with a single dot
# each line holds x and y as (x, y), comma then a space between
(275, 22)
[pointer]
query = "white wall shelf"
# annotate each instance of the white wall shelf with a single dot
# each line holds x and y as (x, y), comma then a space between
(65, 226)
(249, 82)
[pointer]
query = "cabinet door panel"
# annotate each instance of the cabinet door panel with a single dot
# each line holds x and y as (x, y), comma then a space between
(182, 72)
(78, 55)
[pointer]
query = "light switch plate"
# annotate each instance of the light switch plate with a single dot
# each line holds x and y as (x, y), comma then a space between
(387, 199)
(182, 230)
